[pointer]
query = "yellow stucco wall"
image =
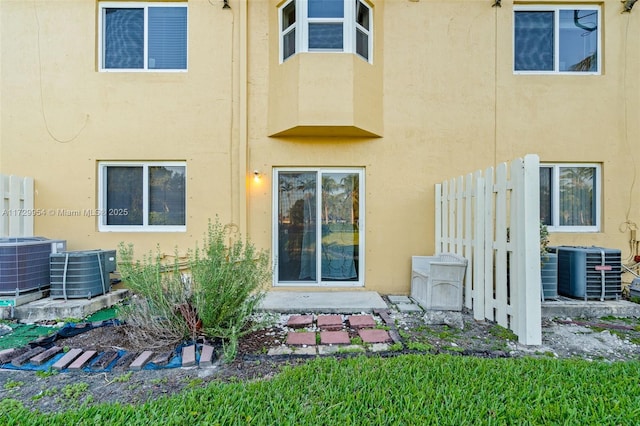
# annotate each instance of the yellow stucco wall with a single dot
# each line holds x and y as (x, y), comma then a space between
(448, 101)
(60, 117)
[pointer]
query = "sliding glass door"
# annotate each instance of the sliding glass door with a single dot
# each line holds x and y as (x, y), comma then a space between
(318, 228)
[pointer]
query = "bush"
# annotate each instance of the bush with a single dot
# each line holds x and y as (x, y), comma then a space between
(152, 314)
(214, 297)
(230, 281)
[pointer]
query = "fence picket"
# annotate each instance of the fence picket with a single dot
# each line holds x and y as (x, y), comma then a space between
(467, 240)
(17, 213)
(500, 245)
(445, 218)
(478, 249)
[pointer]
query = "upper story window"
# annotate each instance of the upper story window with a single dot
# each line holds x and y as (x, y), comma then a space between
(142, 36)
(570, 197)
(557, 39)
(326, 26)
(142, 196)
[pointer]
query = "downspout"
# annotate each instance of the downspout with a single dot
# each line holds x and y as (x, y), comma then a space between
(243, 142)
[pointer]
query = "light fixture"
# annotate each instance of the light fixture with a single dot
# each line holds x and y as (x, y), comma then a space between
(256, 176)
(226, 4)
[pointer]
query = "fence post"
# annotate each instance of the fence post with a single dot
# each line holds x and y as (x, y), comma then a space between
(528, 251)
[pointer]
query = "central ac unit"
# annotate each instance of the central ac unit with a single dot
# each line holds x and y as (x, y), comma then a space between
(589, 272)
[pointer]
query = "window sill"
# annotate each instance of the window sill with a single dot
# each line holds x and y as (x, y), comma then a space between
(131, 229)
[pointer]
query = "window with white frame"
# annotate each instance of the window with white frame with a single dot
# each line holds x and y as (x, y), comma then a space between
(557, 39)
(142, 36)
(326, 26)
(142, 196)
(570, 197)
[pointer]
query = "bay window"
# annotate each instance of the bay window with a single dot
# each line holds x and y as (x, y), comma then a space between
(325, 26)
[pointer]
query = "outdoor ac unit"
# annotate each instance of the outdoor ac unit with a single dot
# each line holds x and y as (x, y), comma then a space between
(81, 274)
(589, 272)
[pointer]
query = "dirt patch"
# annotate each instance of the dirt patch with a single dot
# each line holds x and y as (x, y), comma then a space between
(612, 339)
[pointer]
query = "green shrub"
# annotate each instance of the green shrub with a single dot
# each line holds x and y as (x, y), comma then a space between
(152, 314)
(214, 296)
(230, 281)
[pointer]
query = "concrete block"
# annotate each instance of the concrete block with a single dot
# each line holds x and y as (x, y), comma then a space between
(379, 347)
(280, 350)
(326, 302)
(53, 309)
(408, 307)
(328, 350)
(451, 318)
(309, 350)
(399, 299)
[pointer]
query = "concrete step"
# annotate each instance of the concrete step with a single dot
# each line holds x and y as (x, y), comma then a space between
(328, 302)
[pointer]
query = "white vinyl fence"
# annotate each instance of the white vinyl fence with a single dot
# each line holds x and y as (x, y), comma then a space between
(17, 212)
(492, 219)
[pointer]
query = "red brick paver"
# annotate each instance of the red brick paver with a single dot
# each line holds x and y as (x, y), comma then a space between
(67, 359)
(300, 321)
(206, 356)
(329, 322)
(361, 321)
(46, 355)
(301, 338)
(162, 359)
(104, 360)
(334, 338)
(384, 315)
(82, 360)
(6, 355)
(125, 360)
(25, 357)
(189, 356)
(141, 360)
(374, 335)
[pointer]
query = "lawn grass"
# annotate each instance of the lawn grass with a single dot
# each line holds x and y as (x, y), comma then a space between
(402, 390)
